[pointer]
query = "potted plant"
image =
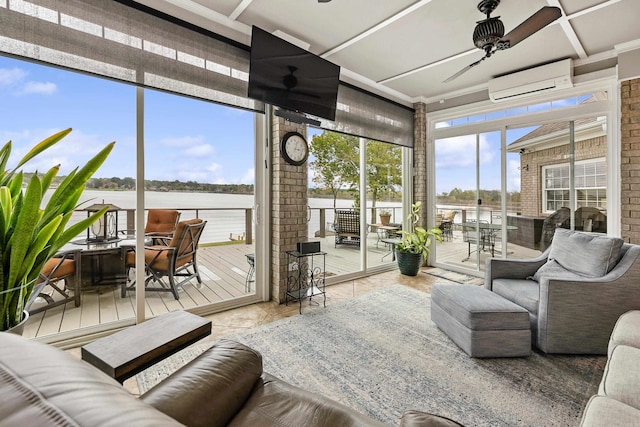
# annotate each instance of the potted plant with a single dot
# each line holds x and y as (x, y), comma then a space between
(385, 216)
(415, 243)
(31, 234)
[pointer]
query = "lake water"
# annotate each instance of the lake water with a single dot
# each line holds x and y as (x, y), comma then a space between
(227, 211)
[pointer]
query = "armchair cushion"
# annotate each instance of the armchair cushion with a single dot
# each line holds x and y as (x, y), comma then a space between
(587, 254)
(524, 292)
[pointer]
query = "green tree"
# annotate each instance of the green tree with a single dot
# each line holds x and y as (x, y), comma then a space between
(384, 171)
(335, 166)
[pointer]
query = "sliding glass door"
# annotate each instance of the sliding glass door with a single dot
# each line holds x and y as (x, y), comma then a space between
(468, 199)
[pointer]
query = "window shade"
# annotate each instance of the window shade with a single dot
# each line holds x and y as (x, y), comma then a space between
(363, 114)
(110, 39)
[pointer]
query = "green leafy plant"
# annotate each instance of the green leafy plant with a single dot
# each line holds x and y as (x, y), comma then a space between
(31, 234)
(418, 240)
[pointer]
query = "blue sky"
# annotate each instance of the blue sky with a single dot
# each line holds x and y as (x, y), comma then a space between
(185, 139)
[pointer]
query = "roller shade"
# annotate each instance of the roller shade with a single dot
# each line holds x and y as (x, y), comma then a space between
(110, 39)
(363, 114)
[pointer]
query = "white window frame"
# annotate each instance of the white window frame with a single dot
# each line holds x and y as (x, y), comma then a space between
(576, 188)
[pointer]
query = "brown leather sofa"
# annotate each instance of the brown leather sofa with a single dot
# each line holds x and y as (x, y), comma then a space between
(43, 386)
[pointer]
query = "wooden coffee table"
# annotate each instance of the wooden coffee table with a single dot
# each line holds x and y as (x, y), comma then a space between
(132, 350)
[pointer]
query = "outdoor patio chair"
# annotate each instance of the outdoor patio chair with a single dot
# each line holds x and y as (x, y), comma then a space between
(560, 218)
(470, 235)
(161, 223)
(54, 278)
(446, 224)
(347, 227)
(165, 263)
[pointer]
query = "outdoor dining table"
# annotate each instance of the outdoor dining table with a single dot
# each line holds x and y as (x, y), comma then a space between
(488, 232)
(102, 263)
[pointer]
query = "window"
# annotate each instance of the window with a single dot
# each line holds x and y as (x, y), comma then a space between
(590, 185)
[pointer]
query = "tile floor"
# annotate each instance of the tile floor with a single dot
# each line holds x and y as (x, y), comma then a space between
(244, 318)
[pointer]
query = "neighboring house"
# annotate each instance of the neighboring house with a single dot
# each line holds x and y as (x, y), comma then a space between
(545, 155)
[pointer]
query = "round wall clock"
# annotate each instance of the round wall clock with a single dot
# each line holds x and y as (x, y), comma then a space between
(294, 148)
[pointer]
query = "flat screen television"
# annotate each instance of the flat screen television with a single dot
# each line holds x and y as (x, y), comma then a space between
(285, 75)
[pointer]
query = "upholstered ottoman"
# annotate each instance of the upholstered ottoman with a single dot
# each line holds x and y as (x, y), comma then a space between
(480, 322)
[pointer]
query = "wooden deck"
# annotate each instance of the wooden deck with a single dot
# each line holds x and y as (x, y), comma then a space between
(223, 270)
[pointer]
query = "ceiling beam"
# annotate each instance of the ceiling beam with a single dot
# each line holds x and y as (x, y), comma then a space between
(238, 10)
(390, 20)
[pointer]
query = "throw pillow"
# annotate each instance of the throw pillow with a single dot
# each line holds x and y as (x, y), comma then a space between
(588, 254)
(552, 270)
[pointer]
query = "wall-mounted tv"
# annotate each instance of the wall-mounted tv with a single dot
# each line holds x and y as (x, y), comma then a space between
(285, 75)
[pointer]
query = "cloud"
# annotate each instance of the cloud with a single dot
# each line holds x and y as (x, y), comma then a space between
(11, 76)
(198, 150)
(249, 177)
(214, 167)
(74, 150)
(460, 152)
(39, 88)
(513, 175)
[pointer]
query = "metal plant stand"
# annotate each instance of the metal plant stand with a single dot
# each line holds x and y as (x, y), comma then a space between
(305, 277)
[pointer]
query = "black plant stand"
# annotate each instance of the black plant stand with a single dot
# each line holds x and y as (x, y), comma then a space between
(305, 276)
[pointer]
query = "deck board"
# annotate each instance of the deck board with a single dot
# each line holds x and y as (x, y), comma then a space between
(223, 270)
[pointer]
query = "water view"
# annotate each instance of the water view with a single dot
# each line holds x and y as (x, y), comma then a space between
(225, 213)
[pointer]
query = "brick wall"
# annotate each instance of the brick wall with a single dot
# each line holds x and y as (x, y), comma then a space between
(531, 170)
(420, 158)
(289, 206)
(630, 160)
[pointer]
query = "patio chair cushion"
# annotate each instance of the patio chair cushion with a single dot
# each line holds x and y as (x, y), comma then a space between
(161, 262)
(587, 254)
(67, 267)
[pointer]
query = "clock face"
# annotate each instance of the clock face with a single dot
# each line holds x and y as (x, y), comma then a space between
(294, 148)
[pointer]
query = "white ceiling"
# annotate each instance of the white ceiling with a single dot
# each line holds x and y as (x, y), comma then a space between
(405, 49)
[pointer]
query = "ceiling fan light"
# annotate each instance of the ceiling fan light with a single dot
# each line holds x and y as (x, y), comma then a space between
(488, 32)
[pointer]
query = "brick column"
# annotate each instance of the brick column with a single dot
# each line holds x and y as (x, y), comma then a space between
(289, 207)
(630, 160)
(420, 158)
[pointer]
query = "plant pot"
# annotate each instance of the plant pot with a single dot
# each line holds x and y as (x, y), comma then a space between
(19, 328)
(408, 263)
(385, 219)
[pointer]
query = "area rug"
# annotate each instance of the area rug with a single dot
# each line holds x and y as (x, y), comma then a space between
(455, 277)
(381, 355)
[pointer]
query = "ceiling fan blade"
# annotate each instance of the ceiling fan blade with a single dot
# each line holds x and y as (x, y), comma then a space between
(324, 1)
(533, 24)
(465, 69)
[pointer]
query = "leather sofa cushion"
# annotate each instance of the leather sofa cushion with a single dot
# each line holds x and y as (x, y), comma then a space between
(41, 385)
(217, 383)
(277, 403)
(587, 254)
(524, 292)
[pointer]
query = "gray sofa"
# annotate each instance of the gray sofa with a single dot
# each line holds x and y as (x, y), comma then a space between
(618, 400)
(574, 292)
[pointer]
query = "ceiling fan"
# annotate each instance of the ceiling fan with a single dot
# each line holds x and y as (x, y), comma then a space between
(489, 33)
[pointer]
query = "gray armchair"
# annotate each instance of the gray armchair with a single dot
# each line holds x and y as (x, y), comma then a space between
(572, 310)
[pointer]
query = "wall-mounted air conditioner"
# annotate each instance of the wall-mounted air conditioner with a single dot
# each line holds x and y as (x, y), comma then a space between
(546, 78)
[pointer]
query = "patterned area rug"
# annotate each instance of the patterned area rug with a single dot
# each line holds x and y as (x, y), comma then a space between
(381, 354)
(455, 277)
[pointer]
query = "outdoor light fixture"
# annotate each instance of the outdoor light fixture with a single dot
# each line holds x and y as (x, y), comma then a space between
(106, 228)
